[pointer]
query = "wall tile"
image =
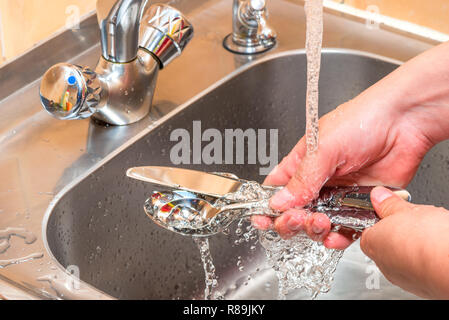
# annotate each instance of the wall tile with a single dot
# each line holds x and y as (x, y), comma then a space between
(2, 56)
(27, 22)
(430, 13)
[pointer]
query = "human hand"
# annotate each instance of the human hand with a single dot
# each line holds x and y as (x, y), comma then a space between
(361, 143)
(410, 245)
(379, 138)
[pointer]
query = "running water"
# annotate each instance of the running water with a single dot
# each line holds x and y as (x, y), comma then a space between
(301, 262)
(314, 42)
(209, 269)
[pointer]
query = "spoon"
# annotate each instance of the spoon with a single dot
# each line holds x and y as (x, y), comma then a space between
(204, 203)
(194, 214)
(199, 217)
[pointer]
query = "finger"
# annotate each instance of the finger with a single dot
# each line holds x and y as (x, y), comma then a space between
(312, 173)
(340, 240)
(262, 222)
(282, 173)
(386, 203)
(318, 226)
(290, 223)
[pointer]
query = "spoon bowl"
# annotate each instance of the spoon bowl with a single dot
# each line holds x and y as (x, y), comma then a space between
(196, 216)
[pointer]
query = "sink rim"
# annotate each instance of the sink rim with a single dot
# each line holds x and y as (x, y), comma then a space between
(269, 57)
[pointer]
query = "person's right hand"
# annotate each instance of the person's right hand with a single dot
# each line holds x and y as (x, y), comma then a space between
(379, 138)
(410, 245)
(359, 144)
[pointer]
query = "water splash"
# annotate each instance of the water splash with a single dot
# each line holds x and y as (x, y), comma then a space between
(7, 234)
(300, 263)
(5, 244)
(33, 256)
(211, 279)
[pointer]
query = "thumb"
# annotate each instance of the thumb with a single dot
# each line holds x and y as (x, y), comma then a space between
(386, 203)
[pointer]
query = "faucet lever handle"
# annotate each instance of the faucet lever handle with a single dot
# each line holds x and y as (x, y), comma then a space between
(266, 34)
(251, 31)
(258, 4)
(165, 32)
(70, 92)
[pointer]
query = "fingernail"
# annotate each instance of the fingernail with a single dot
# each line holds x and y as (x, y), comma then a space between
(329, 242)
(317, 225)
(281, 199)
(295, 223)
(317, 229)
(380, 194)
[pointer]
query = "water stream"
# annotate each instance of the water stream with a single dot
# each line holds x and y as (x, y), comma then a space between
(301, 263)
(209, 269)
(314, 42)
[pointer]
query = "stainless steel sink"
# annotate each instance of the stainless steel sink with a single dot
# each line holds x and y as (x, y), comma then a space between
(65, 181)
(99, 224)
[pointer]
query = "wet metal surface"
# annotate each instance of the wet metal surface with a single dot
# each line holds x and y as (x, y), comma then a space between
(119, 251)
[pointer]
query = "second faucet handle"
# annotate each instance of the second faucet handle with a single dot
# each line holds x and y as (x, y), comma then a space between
(251, 31)
(265, 33)
(71, 92)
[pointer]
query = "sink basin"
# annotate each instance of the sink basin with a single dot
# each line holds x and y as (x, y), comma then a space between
(100, 226)
(64, 181)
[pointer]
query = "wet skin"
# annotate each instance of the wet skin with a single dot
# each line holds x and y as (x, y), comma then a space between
(378, 138)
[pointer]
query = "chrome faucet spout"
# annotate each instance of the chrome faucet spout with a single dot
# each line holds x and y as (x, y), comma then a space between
(120, 25)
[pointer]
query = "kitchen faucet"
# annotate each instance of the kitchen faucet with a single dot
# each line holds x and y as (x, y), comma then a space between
(137, 40)
(251, 31)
